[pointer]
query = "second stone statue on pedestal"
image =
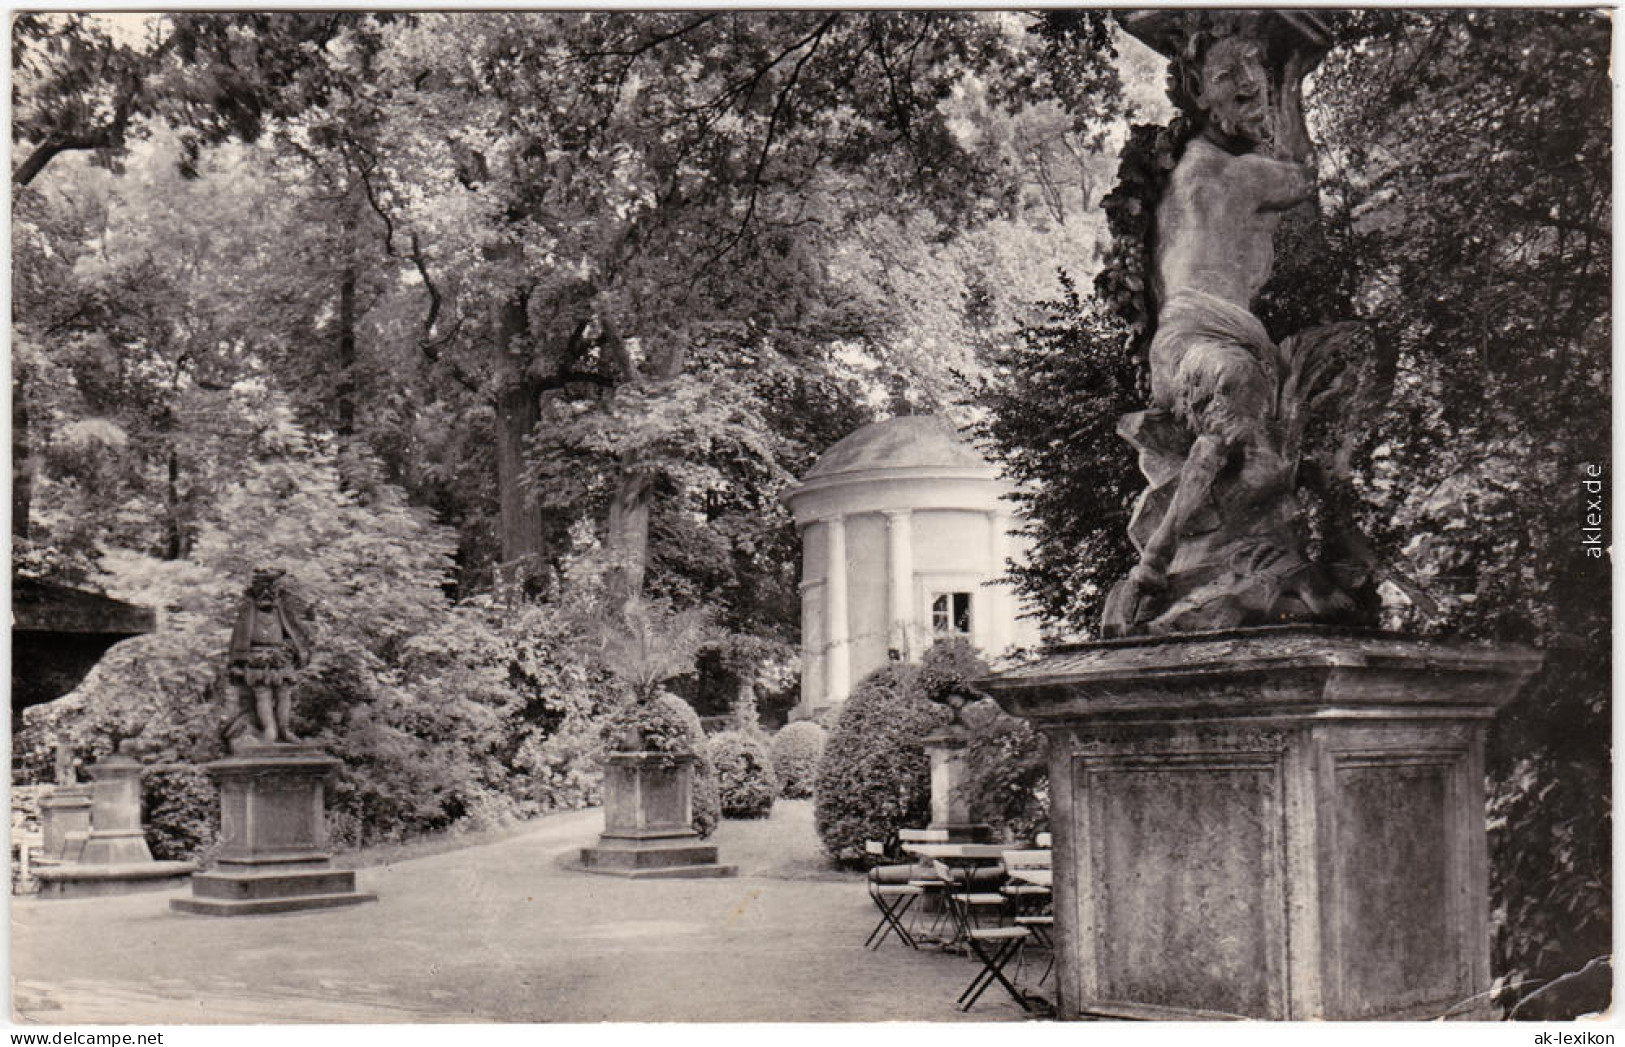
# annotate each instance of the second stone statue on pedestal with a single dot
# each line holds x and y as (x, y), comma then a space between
(273, 854)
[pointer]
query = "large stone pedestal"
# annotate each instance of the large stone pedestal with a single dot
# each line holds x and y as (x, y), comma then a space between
(115, 836)
(949, 812)
(648, 814)
(114, 858)
(273, 855)
(1274, 823)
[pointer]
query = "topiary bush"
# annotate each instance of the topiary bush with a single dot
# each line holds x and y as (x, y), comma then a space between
(182, 812)
(796, 752)
(875, 777)
(745, 777)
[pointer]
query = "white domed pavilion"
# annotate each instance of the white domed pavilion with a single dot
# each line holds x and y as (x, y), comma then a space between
(904, 533)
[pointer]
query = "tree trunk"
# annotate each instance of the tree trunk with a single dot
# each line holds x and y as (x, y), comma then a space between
(629, 536)
(522, 525)
(22, 458)
(629, 510)
(176, 546)
(346, 340)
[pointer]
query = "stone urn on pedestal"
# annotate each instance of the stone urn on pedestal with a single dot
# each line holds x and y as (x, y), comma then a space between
(65, 822)
(649, 808)
(113, 857)
(950, 814)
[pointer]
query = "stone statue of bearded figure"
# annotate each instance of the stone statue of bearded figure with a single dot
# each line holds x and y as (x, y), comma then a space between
(267, 647)
(1218, 527)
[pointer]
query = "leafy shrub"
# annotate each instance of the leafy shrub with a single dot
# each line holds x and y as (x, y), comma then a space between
(561, 769)
(745, 777)
(707, 796)
(1007, 777)
(182, 815)
(875, 777)
(796, 752)
(661, 724)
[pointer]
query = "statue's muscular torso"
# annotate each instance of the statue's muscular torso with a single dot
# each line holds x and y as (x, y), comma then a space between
(1216, 223)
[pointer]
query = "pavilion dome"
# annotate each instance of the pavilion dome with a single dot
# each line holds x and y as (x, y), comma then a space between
(920, 441)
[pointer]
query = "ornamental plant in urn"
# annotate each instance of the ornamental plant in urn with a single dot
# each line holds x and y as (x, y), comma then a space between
(652, 753)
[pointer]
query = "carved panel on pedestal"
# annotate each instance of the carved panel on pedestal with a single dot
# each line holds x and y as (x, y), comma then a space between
(1192, 847)
(1398, 917)
(622, 811)
(287, 812)
(665, 798)
(233, 815)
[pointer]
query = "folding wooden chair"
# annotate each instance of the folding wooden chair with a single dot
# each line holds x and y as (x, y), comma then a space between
(893, 895)
(994, 947)
(1033, 902)
(1029, 897)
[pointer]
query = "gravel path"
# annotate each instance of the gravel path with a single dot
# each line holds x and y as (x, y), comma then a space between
(502, 932)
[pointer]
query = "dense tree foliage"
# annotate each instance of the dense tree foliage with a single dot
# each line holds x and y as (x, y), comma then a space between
(481, 325)
(1464, 215)
(580, 283)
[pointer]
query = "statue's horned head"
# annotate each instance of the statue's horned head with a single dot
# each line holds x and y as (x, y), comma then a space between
(1221, 77)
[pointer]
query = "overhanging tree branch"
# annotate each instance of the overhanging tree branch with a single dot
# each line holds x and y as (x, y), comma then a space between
(428, 345)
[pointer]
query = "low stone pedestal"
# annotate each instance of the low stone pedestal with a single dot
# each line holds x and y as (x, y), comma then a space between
(949, 812)
(113, 858)
(648, 813)
(116, 837)
(65, 810)
(273, 855)
(1274, 823)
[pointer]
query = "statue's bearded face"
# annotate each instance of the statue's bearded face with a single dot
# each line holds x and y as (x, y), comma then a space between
(1235, 90)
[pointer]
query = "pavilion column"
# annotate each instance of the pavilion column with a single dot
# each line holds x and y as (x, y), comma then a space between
(812, 655)
(996, 637)
(837, 664)
(900, 580)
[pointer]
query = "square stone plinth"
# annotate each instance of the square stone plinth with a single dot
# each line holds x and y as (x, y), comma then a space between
(273, 855)
(648, 804)
(1273, 823)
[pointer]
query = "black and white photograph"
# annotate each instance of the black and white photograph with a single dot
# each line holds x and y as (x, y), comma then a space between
(729, 517)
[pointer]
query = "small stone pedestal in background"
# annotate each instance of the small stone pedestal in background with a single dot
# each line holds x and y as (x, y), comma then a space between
(648, 818)
(949, 813)
(1272, 823)
(65, 811)
(273, 855)
(114, 858)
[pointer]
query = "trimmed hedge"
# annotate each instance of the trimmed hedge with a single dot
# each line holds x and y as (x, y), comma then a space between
(745, 775)
(796, 752)
(875, 777)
